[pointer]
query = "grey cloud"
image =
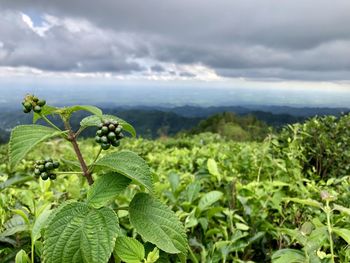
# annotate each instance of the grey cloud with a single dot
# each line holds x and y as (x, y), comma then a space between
(157, 68)
(302, 39)
(64, 50)
(187, 74)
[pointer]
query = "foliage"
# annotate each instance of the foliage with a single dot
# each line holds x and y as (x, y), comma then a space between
(82, 226)
(238, 202)
(323, 143)
(231, 126)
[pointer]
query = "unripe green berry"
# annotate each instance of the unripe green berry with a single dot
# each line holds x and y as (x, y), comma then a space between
(99, 133)
(115, 143)
(98, 139)
(41, 103)
(111, 136)
(41, 168)
(118, 129)
(100, 125)
(37, 109)
(49, 166)
(56, 165)
(35, 99)
(37, 172)
(28, 105)
(44, 176)
(111, 127)
(48, 159)
(105, 146)
(104, 139)
(104, 130)
(106, 122)
(26, 110)
(52, 176)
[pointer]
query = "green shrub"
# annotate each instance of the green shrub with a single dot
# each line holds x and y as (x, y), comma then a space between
(323, 144)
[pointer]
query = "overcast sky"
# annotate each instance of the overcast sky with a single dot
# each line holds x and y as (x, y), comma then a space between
(295, 43)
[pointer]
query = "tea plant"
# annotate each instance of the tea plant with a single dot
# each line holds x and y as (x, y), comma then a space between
(239, 202)
(89, 230)
(316, 237)
(323, 144)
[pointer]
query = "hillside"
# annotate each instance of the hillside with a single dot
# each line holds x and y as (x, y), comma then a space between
(152, 122)
(231, 126)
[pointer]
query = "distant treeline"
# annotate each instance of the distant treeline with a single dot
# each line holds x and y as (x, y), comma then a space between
(153, 123)
(234, 127)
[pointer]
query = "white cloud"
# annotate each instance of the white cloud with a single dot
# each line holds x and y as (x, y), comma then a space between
(40, 30)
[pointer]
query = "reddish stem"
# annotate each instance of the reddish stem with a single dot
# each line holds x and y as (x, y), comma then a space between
(73, 139)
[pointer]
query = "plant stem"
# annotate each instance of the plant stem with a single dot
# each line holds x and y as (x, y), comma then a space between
(91, 166)
(32, 251)
(329, 226)
(72, 138)
(49, 122)
(192, 256)
(68, 173)
(78, 132)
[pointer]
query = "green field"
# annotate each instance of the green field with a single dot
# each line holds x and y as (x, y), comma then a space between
(239, 201)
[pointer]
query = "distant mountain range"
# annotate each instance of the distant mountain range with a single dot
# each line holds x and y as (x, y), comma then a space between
(152, 122)
(192, 111)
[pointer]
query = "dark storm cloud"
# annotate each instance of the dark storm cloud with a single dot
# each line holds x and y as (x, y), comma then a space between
(300, 39)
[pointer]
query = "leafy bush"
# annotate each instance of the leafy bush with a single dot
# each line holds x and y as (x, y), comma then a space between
(238, 202)
(87, 228)
(323, 144)
(231, 126)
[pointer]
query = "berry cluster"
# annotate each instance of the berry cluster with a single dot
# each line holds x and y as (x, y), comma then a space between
(32, 102)
(109, 133)
(43, 168)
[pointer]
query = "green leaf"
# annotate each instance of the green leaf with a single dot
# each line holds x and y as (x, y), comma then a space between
(69, 110)
(213, 167)
(288, 255)
(192, 191)
(79, 233)
(130, 165)
(96, 120)
(22, 214)
(242, 227)
(340, 208)
(22, 257)
(208, 199)
(26, 137)
(308, 202)
(45, 110)
(316, 239)
(156, 223)
(153, 256)
(343, 233)
(15, 180)
(40, 222)
(129, 250)
(8, 240)
(106, 188)
(174, 180)
(14, 225)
